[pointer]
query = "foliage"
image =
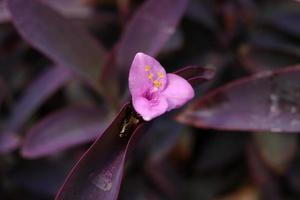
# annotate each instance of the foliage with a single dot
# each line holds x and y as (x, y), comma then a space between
(67, 121)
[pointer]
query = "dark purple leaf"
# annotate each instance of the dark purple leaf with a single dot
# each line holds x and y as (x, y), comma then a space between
(257, 58)
(8, 142)
(202, 12)
(40, 89)
(99, 172)
(149, 29)
(60, 39)
(175, 42)
(4, 15)
(287, 21)
(267, 101)
(72, 8)
(264, 41)
(268, 51)
(63, 129)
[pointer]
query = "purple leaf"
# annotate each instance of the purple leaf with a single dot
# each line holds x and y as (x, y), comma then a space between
(4, 15)
(8, 142)
(257, 58)
(287, 21)
(63, 129)
(60, 39)
(72, 8)
(149, 29)
(267, 101)
(98, 173)
(263, 41)
(202, 12)
(40, 89)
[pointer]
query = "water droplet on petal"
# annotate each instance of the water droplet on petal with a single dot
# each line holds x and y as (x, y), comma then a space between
(104, 180)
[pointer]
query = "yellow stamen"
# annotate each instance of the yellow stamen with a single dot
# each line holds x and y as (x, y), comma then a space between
(147, 68)
(150, 76)
(160, 74)
(157, 83)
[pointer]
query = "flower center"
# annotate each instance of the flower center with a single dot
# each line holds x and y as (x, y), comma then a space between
(149, 95)
(155, 78)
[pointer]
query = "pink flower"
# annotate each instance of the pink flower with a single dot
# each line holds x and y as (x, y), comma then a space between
(153, 91)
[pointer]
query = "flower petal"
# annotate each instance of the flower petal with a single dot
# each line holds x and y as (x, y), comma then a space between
(149, 109)
(146, 73)
(178, 91)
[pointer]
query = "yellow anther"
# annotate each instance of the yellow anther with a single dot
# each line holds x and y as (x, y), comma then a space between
(147, 68)
(150, 76)
(157, 83)
(160, 74)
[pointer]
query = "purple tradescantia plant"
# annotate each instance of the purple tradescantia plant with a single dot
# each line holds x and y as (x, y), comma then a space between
(153, 91)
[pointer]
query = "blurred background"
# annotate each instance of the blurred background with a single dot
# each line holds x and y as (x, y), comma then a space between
(49, 116)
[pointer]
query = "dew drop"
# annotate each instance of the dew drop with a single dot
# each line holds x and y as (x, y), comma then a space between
(276, 130)
(263, 74)
(293, 109)
(274, 107)
(205, 114)
(295, 122)
(104, 180)
(169, 30)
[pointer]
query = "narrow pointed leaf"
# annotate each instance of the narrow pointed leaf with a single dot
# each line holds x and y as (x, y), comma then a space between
(98, 173)
(149, 29)
(287, 21)
(63, 129)
(60, 39)
(4, 15)
(38, 91)
(72, 8)
(267, 101)
(264, 41)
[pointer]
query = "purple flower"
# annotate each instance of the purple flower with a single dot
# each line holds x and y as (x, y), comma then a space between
(153, 91)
